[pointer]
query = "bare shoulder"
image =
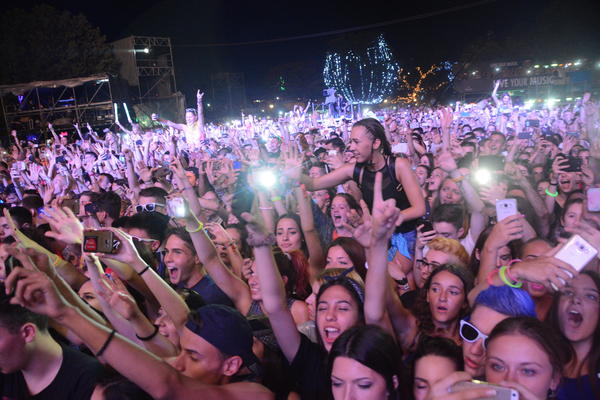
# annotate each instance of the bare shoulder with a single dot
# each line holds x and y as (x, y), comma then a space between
(402, 163)
(246, 390)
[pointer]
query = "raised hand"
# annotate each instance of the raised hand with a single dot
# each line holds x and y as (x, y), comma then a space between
(446, 117)
(361, 232)
(127, 252)
(258, 235)
(114, 292)
(509, 229)
(65, 225)
(35, 291)
(199, 96)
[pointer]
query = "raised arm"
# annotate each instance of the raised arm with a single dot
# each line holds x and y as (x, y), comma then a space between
(293, 170)
(226, 280)
(316, 257)
(157, 377)
(495, 93)
(379, 296)
(200, 105)
(170, 301)
(273, 290)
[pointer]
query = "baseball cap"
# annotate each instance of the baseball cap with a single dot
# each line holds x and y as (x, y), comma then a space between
(226, 329)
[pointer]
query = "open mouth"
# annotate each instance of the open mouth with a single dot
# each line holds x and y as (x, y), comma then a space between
(442, 309)
(173, 273)
(331, 334)
(575, 318)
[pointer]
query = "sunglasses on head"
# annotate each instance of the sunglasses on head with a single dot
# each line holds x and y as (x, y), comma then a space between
(148, 207)
(469, 333)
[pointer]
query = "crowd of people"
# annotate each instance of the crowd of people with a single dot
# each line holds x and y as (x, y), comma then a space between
(408, 253)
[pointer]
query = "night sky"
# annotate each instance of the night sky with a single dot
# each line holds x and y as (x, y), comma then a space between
(418, 42)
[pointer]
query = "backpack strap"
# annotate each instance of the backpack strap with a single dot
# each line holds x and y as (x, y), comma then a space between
(357, 174)
(391, 169)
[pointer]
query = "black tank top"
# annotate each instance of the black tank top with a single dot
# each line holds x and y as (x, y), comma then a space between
(391, 188)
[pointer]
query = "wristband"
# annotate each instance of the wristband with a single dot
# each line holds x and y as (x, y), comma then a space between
(149, 337)
(144, 270)
(105, 345)
(549, 193)
(198, 229)
(502, 273)
(275, 198)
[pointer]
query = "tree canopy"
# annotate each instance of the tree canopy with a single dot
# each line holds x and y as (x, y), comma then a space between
(47, 44)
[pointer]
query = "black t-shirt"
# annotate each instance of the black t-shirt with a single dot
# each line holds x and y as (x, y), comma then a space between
(309, 370)
(75, 380)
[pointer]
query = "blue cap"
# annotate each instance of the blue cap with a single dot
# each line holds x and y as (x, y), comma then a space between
(226, 329)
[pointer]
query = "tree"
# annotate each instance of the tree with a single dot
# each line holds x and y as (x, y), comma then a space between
(47, 44)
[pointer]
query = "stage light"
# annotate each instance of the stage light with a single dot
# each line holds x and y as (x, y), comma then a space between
(554, 65)
(497, 69)
(271, 106)
(207, 104)
(276, 98)
(529, 103)
(536, 66)
(528, 71)
(578, 62)
(146, 50)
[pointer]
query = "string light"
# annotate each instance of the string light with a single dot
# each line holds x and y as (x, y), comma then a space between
(364, 78)
(417, 88)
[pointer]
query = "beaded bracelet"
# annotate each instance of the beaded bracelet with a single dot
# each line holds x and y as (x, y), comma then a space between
(517, 284)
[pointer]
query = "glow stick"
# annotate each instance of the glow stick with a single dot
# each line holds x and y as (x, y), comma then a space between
(127, 112)
(116, 112)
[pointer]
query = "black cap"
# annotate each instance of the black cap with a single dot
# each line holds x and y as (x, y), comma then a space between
(226, 329)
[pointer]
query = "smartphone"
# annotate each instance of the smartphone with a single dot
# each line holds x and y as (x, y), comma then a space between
(427, 224)
(574, 164)
(577, 252)
(524, 135)
(593, 199)
(491, 163)
(72, 204)
(535, 123)
(505, 208)
(176, 207)
(502, 393)
(97, 241)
